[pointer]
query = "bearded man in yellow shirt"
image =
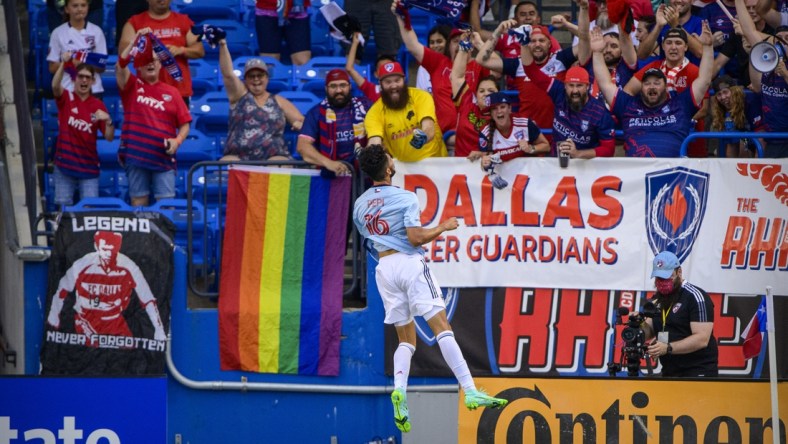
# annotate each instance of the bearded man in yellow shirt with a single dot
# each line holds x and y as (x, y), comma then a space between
(403, 120)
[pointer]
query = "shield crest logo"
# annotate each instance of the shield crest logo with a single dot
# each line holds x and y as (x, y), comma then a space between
(423, 329)
(675, 206)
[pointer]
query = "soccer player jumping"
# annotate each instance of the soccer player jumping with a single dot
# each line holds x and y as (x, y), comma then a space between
(389, 217)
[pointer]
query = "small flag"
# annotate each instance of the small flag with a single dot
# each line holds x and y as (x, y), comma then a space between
(753, 334)
(280, 304)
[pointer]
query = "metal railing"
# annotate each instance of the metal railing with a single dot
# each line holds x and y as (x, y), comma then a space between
(206, 183)
(731, 135)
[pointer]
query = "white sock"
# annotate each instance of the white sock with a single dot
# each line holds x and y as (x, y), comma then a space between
(453, 356)
(402, 365)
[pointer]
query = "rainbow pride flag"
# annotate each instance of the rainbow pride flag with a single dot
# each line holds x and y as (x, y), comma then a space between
(280, 298)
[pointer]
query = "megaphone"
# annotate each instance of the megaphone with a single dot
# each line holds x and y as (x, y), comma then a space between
(765, 56)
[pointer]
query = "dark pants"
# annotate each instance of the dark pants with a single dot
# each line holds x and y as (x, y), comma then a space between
(375, 15)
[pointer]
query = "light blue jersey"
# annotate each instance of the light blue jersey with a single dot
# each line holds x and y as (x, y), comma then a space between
(383, 213)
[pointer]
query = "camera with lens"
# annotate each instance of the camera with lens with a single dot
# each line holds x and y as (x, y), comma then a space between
(635, 346)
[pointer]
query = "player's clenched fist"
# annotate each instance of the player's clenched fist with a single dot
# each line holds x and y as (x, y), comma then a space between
(450, 224)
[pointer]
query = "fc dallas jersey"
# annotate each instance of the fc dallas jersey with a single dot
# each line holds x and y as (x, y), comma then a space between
(101, 297)
(151, 114)
(76, 153)
(507, 145)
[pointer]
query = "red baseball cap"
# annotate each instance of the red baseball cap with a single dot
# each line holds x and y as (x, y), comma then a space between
(144, 58)
(337, 74)
(455, 32)
(576, 74)
(536, 29)
(389, 69)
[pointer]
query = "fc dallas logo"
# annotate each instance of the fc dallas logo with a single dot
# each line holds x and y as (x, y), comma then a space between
(389, 67)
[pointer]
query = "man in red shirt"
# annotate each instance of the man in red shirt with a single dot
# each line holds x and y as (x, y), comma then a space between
(525, 13)
(155, 124)
(174, 31)
(534, 101)
(439, 68)
(80, 116)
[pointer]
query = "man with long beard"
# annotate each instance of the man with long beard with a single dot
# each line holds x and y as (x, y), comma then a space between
(334, 128)
(403, 120)
(582, 125)
(685, 343)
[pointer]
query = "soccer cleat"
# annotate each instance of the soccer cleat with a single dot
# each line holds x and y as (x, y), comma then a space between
(401, 415)
(478, 398)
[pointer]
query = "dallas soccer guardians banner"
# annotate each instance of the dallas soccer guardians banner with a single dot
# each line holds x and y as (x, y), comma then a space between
(282, 271)
(598, 223)
(108, 305)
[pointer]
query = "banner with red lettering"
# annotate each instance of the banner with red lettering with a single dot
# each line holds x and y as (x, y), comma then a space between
(108, 305)
(530, 332)
(598, 223)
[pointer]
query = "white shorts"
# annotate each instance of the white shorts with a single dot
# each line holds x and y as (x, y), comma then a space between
(407, 287)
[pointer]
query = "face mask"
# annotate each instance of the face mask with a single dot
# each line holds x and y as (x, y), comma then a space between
(664, 286)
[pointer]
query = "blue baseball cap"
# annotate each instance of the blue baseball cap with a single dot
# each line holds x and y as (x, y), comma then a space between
(664, 264)
(500, 97)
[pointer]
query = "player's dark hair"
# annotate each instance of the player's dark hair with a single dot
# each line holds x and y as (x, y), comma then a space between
(374, 161)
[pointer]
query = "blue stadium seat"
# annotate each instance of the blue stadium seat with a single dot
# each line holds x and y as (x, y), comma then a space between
(241, 40)
(100, 203)
(421, 21)
(322, 42)
(196, 148)
(318, 67)
(211, 113)
(108, 79)
(180, 5)
(203, 77)
(210, 13)
(108, 152)
(113, 183)
(204, 228)
(114, 108)
(303, 100)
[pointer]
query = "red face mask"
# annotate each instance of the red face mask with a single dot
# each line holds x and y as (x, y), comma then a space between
(664, 286)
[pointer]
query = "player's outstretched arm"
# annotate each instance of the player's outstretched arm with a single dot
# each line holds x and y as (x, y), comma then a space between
(420, 235)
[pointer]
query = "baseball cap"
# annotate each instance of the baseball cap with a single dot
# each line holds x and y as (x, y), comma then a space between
(656, 72)
(145, 57)
(500, 97)
(676, 33)
(390, 69)
(576, 74)
(337, 74)
(664, 264)
(536, 29)
(455, 32)
(255, 64)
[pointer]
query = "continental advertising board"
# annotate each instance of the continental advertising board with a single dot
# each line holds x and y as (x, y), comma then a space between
(634, 411)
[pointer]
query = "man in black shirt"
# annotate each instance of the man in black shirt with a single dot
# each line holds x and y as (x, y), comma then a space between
(685, 343)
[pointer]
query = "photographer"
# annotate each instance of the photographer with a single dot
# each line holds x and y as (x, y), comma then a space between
(684, 342)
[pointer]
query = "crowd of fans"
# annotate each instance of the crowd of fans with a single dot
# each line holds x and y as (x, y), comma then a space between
(656, 74)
